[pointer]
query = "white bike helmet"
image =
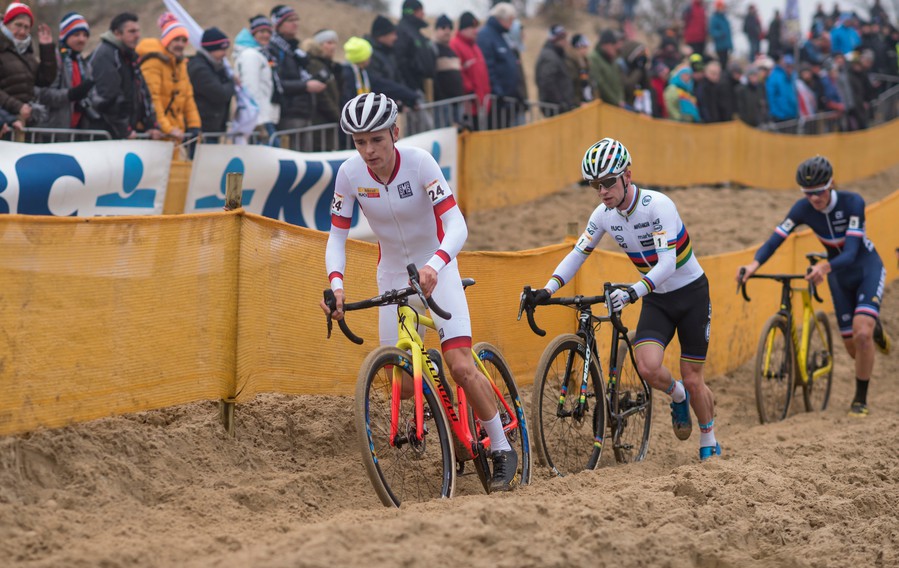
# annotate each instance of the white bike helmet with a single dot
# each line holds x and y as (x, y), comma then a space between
(368, 113)
(608, 157)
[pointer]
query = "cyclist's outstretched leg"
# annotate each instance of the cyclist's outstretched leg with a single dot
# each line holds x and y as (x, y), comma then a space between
(703, 403)
(649, 353)
(479, 393)
(860, 346)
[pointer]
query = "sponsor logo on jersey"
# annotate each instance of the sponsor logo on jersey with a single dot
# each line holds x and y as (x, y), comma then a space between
(838, 214)
(647, 243)
(616, 228)
(440, 333)
(845, 317)
(641, 225)
(656, 226)
(646, 199)
(787, 225)
(875, 299)
(369, 192)
(404, 189)
(591, 229)
(854, 222)
(708, 331)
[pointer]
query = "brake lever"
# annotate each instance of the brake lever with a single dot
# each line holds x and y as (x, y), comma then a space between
(331, 302)
(523, 301)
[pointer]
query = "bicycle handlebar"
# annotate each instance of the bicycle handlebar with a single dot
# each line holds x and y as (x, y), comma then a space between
(813, 258)
(529, 304)
(385, 299)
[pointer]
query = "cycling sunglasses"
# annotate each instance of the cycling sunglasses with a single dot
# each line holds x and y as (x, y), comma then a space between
(814, 192)
(607, 183)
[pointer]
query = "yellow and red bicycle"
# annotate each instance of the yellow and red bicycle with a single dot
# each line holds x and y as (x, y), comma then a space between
(405, 409)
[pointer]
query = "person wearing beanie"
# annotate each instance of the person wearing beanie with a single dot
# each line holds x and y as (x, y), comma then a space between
(67, 98)
(475, 77)
(579, 70)
(120, 95)
(164, 68)
(357, 80)
(321, 48)
(256, 69)
(448, 76)
(296, 88)
(415, 55)
(213, 84)
(605, 74)
(20, 71)
(383, 59)
(554, 82)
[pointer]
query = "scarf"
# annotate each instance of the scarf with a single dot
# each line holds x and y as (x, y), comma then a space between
(22, 45)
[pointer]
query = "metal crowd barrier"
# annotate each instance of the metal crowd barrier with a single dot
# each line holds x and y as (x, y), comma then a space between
(51, 135)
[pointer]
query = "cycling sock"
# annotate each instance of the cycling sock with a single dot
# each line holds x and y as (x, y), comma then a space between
(494, 428)
(676, 390)
(861, 391)
(707, 434)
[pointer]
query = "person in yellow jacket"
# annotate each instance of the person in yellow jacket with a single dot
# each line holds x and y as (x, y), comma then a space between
(164, 67)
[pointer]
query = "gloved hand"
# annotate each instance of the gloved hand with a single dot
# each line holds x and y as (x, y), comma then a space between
(81, 91)
(191, 133)
(619, 298)
(541, 295)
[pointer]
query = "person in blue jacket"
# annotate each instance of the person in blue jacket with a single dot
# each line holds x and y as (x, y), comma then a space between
(782, 103)
(719, 29)
(854, 270)
(502, 62)
(844, 37)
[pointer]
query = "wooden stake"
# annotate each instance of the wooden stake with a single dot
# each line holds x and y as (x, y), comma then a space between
(233, 191)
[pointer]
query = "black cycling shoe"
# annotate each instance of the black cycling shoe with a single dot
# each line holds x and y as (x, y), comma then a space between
(505, 470)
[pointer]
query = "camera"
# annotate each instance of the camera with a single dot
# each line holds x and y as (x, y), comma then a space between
(87, 107)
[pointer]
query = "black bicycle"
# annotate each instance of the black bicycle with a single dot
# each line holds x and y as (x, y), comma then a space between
(569, 417)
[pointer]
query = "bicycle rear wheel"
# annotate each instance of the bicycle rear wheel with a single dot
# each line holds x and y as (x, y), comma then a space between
(411, 470)
(818, 363)
(519, 437)
(633, 405)
(568, 436)
(774, 370)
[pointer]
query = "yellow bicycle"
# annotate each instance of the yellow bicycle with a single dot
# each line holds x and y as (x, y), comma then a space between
(405, 409)
(787, 358)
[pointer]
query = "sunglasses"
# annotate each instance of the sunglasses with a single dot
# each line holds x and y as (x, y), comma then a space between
(814, 193)
(607, 183)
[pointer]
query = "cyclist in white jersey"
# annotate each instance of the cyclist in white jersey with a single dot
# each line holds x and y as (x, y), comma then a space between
(412, 211)
(674, 288)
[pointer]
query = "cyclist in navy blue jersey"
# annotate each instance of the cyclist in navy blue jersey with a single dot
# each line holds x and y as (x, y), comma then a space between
(854, 270)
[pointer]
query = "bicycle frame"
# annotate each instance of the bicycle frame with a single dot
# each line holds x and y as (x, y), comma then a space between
(410, 340)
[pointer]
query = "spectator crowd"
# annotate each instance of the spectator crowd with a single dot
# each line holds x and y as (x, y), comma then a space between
(149, 87)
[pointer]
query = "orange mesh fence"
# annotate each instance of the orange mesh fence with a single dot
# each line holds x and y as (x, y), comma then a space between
(508, 167)
(113, 315)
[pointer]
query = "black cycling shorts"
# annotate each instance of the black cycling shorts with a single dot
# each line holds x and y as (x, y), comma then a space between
(687, 310)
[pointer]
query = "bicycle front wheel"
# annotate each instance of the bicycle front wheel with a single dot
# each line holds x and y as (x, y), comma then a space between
(818, 363)
(498, 370)
(632, 405)
(411, 469)
(774, 370)
(568, 423)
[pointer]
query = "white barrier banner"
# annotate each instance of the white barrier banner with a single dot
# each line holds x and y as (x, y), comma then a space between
(295, 187)
(84, 179)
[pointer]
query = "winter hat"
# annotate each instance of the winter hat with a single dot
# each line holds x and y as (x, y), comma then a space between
(321, 36)
(381, 27)
(557, 31)
(357, 50)
(468, 20)
(579, 40)
(171, 28)
(15, 10)
(260, 22)
(214, 39)
(443, 22)
(70, 24)
(411, 6)
(697, 63)
(281, 13)
(608, 36)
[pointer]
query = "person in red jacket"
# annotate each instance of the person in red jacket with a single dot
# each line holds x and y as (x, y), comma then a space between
(475, 77)
(696, 26)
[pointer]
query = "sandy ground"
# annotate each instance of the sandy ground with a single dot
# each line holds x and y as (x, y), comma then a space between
(169, 488)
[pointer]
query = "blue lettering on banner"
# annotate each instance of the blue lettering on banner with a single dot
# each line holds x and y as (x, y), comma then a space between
(285, 200)
(4, 205)
(134, 197)
(435, 152)
(37, 173)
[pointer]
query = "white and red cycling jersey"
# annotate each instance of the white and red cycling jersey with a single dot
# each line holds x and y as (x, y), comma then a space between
(417, 221)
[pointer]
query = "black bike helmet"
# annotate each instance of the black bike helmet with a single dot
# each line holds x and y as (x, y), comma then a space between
(814, 172)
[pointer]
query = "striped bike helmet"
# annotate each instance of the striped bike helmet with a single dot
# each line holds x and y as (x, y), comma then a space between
(814, 172)
(368, 112)
(608, 157)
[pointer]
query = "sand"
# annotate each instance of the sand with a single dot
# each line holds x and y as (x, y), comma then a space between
(170, 488)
